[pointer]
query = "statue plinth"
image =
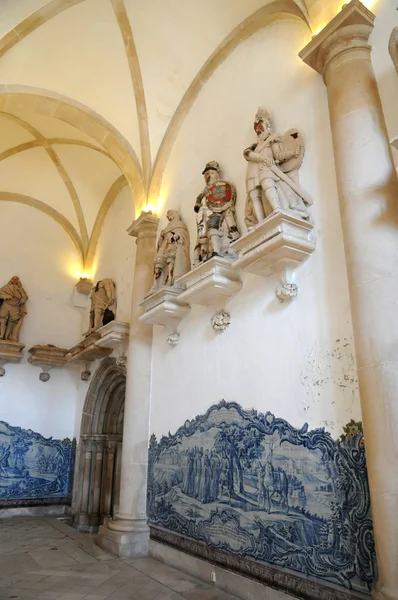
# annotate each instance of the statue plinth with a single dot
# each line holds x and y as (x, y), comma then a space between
(10, 352)
(277, 245)
(47, 357)
(164, 307)
(211, 283)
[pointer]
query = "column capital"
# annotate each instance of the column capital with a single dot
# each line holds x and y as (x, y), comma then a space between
(145, 226)
(350, 29)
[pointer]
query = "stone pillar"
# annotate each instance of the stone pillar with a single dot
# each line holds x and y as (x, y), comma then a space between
(368, 195)
(128, 535)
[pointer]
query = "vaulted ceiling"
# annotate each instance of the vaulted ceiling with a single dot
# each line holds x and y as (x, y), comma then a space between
(94, 92)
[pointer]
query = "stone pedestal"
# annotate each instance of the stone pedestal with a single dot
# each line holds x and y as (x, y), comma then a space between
(47, 357)
(277, 245)
(163, 307)
(10, 352)
(368, 193)
(128, 535)
(211, 283)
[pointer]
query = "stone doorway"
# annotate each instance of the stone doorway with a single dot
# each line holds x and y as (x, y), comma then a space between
(96, 486)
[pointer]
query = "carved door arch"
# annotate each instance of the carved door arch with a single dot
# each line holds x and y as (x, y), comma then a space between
(98, 460)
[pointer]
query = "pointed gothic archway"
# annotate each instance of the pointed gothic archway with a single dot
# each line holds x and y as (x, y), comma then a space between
(97, 474)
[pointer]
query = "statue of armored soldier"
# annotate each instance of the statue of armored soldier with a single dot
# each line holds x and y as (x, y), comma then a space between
(13, 300)
(272, 173)
(216, 221)
(172, 253)
(103, 304)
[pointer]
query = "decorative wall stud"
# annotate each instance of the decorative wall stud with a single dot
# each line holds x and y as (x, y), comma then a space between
(103, 304)
(272, 173)
(86, 374)
(44, 376)
(221, 321)
(121, 361)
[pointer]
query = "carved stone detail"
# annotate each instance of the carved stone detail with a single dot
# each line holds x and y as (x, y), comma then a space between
(393, 47)
(173, 339)
(216, 219)
(164, 307)
(85, 375)
(221, 321)
(172, 253)
(272, 173)
(103, 304)
(121, 361)
(44, 376)
(286, 291)
(13, 300)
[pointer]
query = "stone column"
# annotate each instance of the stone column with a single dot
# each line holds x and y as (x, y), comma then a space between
(128, 535)
(368, 195)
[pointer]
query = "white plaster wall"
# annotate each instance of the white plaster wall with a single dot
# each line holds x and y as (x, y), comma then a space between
(115, 259)
(116, 252)
(42, 255)
(298, 360)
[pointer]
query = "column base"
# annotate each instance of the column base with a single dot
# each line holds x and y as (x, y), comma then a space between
(378, 594)
(124, 544)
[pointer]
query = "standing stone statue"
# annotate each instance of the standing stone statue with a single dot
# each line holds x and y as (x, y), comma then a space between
(13, 300)
(216, 221)
(172, 253)
(272, 173)
(103, 304)
(393, 47)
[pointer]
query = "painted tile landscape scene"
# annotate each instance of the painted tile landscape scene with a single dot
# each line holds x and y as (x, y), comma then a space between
(253, 485)
(32, 466)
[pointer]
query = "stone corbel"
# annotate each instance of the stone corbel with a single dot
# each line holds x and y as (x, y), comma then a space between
(97, 345)
(10, 352)
(164, 307)
(212, 283)
(278, 245)
(46, 357)
(115, 335)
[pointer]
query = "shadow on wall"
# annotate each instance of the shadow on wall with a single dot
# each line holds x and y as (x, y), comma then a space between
(33, 467)
(256, 487)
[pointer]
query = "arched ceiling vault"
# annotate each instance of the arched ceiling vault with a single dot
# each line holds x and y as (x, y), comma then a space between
(22, 104)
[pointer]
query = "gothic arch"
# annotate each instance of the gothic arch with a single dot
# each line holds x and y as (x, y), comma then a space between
(97, 474)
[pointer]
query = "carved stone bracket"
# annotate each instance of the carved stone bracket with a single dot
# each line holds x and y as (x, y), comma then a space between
(114, 335)
(276, 246)
(164, 307)
(84, 286)
(47, 357)
(97, 345)
(10, 352)
(211, 283)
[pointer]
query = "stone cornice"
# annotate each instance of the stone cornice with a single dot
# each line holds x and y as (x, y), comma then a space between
(145, 226)
(349, 29)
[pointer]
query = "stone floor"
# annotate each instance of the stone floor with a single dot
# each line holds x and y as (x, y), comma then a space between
(45, 559)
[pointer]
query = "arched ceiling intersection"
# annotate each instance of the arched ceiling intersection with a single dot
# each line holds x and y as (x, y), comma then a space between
(145, 182)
